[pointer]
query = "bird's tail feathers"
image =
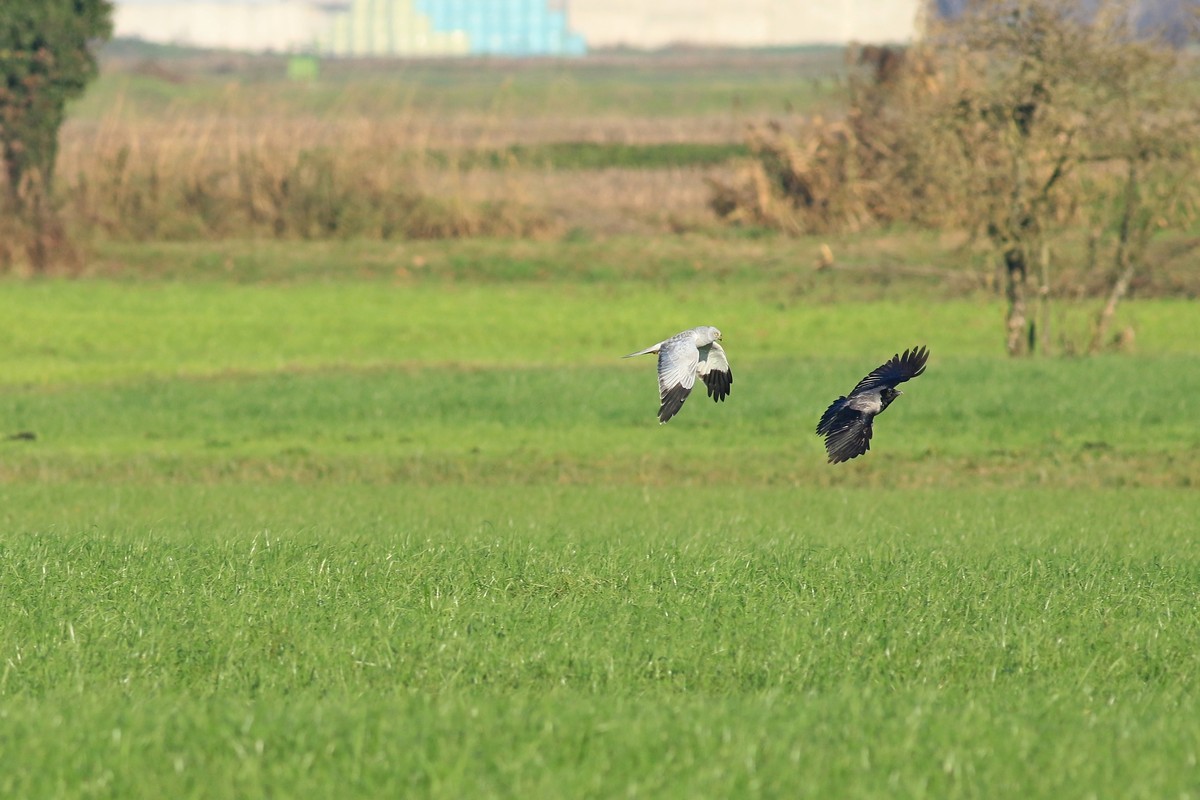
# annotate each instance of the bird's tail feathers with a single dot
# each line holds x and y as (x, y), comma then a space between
(651, 349)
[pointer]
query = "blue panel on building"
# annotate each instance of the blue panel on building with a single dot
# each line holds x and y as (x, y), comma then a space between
(505, 27)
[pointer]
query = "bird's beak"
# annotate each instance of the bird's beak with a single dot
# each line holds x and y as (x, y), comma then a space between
(899, 391)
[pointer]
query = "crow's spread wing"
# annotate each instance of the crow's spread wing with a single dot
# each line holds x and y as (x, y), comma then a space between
(826, 423)
(715, 372)
(896, 371)
(677, 363)
(847, 431)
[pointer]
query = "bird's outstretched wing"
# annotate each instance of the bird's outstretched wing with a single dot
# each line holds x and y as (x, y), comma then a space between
(847, 431)
(847, 423)
(715, 372)
(677, 363)
(897, 370)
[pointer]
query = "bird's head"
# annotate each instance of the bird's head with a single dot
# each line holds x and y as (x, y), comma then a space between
(887, 395)
(713, 332)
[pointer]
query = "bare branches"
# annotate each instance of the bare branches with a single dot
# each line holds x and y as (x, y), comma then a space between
(1023, 121)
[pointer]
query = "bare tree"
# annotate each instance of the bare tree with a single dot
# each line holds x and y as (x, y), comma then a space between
(1152, 134)
(1019, 120)
(1043, 84)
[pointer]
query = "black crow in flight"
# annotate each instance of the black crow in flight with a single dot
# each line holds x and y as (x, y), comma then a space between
(846, 425)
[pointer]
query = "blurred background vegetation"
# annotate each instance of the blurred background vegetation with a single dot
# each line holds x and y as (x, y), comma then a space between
(1052, 151)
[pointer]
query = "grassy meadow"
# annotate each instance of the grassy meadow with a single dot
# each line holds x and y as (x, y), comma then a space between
(379, 517)
(425, 536)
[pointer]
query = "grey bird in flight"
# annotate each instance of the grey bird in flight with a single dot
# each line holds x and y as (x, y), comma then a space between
(683, 357)
(846, 424)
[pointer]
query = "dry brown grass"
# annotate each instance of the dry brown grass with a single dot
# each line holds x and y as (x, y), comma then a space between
(304, 177)
(287, 178)
(213, 146)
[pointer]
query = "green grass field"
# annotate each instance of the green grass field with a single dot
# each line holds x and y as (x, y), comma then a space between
(294, 524)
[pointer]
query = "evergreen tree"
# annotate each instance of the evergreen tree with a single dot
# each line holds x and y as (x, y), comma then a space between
(46, 58)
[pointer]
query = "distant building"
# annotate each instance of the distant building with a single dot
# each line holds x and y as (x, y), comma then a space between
(449, 27)
(507, 27)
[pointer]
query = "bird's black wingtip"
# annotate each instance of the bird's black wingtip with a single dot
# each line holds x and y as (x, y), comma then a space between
(672, 401)
(719, 385)
(843, 454)
(916, 358)
(842, 458)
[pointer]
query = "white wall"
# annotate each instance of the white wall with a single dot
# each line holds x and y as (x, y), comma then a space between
(280, 25)
(283, 25)
(744, 23)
